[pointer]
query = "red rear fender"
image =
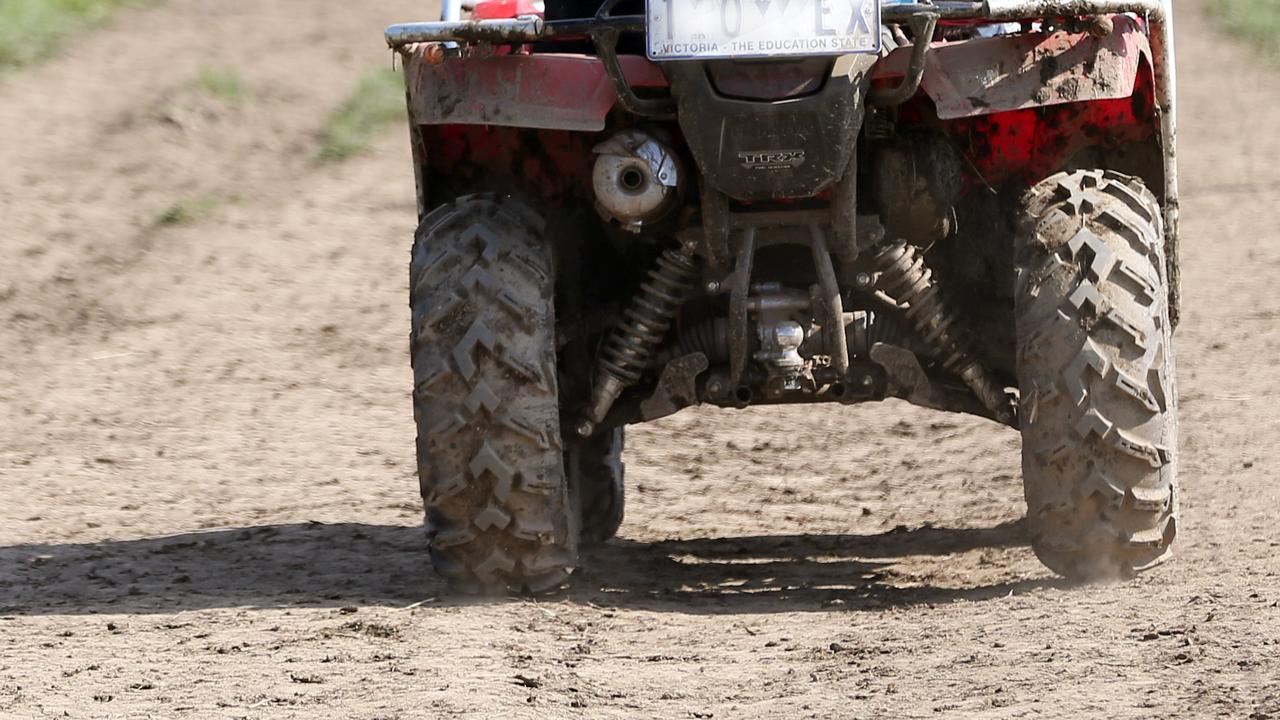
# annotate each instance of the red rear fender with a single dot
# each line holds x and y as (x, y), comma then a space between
(983, 76)
(545, 91)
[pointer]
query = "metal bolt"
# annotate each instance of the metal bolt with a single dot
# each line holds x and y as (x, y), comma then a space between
(434, 53)
(863, 280)
(585, 428)
(868, 380)
(715, 387)
(713, 287)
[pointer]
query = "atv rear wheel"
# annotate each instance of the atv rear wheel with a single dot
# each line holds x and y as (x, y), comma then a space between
(498, 511)
(602, 493)
(1096, 372)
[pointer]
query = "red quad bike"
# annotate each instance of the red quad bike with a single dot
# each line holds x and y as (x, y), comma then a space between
(628, 209)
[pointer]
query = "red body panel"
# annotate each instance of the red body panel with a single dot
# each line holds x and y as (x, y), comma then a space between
(980, 76)
(1017, 72)
(548, 91)
(1018, 106)
(1029, 145)
(554, 165)
(494, 9)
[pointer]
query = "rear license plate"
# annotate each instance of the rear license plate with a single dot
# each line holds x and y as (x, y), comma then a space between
(701, 29)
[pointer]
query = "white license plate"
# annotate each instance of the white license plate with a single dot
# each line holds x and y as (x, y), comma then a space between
(697, 29)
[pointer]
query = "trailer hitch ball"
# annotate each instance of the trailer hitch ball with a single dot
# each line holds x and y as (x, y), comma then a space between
(636, 179)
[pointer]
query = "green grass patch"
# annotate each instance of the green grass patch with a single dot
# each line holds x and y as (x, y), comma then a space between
(224, 84)
(185, 212)
(1257, 21)
(34, 29)
(376, 102)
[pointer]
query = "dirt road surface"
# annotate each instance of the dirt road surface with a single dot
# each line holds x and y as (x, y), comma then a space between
(207, 498)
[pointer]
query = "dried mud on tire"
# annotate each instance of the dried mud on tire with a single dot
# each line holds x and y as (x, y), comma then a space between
(603, 494)
(1096, 367)
(499, 515)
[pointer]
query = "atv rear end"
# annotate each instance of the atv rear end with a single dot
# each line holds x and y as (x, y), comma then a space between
(971, 206)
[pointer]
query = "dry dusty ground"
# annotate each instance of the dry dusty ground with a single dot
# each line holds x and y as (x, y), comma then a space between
(207, 502)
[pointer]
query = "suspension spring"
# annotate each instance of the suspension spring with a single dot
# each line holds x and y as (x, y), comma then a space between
(908, 280)
(632, 343)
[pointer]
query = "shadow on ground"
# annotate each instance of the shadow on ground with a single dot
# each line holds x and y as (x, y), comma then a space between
(319, 565)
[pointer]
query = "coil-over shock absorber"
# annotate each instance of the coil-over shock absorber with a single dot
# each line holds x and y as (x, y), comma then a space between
(908, 280)
(632, 343)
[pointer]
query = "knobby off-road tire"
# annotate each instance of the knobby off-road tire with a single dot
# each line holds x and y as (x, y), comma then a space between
(499, 515)
(1096, 372)
(602, 493)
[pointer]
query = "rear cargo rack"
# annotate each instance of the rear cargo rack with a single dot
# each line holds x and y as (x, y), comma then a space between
(531, 28)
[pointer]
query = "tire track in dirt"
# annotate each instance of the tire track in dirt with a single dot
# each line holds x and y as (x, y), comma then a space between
(857, 562)
(102, 141)
(159, 333)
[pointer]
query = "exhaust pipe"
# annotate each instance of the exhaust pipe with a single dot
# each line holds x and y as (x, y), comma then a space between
(636, 180)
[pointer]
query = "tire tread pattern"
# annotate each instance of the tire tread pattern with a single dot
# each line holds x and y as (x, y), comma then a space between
(1096, 370)
(602, 495)
(490, 469)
